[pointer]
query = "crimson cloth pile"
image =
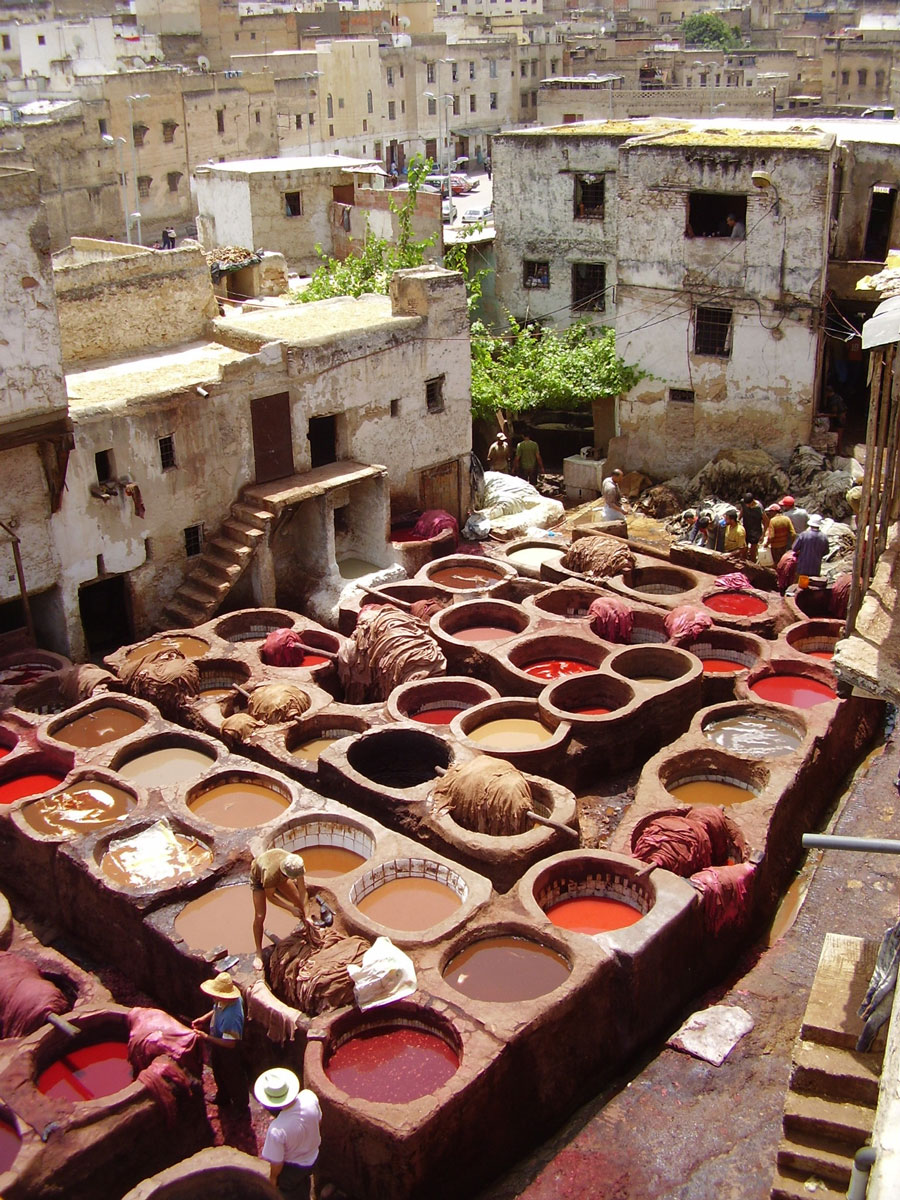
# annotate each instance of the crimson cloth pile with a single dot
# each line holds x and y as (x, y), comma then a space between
(164, 1055)
(736, 581)
(685, 624)
(433, 522)
(599, 556)
(283, 648)
(611, 619)
(308, 968)
(486, 795)
(388, 647)
(26, 997)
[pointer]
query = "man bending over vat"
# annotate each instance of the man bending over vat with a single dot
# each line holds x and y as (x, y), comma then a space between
(276, 875)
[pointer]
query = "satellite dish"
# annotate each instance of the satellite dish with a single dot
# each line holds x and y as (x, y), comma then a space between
(385, 27)
(203, 62)
(404, 22)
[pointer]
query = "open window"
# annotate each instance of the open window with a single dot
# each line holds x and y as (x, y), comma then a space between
(535, 274)
(708, 213)
(881, 218)
(712, 332)
(589, 287)
(293, 204)
(590, 197)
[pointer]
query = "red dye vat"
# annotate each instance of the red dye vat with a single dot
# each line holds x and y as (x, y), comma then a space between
(436, 716)
(404, 533)
(593, 914)
(798, 690)
(483, 633)
(594, 711)
(556, 668)
(313, 660)
(4, 750)
(828, 655)
(9, 1146)
(736, 604)
(27, 785)
(392, 1065)
(721, 665)
(88, 1073)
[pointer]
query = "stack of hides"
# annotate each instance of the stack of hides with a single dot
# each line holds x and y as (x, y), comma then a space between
(486, 795)
(388, 647)
(600, 557)
(308, 969)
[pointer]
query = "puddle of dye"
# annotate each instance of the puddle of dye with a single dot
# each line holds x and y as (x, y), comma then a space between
(27, 785)
(25, 673)
(789, 908)
(797, 690)
(224, 917)
(88, 804)
(593, 914)
(436, 716)
(88, 1073)
(591, 711)
(392, 1065)
(310, 751)
(721, 665)
(464, 577)
(710, 791)
(533, 556)
(556, 668)
(239, 805)
(326, 862)
(483, 633)
(155, 857)
(190, 647)
(510, 733)
(96, 728)
(161, 768)
(410, 903)
(506, 969)
(761, 736)
(354, 568)
(9, 1146)
(736, 604)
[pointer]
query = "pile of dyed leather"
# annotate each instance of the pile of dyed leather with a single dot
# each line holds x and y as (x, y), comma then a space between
(685, 623)
(269, 704)
(388, 647)
(599, 557)
(486, 795)
(26, 997)
(283, 648)
(165, 1056)
(433, 522)
(80, 682)
(611, 619)
(166, 678)
(308, 968)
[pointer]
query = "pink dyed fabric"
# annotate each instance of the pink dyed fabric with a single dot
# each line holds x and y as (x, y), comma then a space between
(840, 595)
(433, 522)
(687, 840)
(26, 997)
(737, 581)
(282, 648)
(152, 1032)
(784, 572)
(685, 624)
(611, 619)
(726, 894)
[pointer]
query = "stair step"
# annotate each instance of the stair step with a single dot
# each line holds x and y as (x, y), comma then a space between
(845, 968)
(845, 1124)
(182, 614)
(260, 518)
(800, 1185)
(197, 592)
(238, 531)
(835, 1073)
(815, 1156)
(223, 570)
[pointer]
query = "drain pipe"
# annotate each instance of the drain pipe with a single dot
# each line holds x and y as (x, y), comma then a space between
(863, 1161)
(828, 841)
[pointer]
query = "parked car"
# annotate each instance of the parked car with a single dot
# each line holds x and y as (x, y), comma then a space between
(448, 210)
(471, 215)
(460, 185)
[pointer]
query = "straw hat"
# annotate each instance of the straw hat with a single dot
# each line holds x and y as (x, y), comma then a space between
(292, 866)
(277, 1087)
(220, 988)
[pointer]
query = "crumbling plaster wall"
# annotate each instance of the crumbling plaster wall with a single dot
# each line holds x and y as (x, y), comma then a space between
(224, 217)
(25, 508)
(294, 237)
(864, 165)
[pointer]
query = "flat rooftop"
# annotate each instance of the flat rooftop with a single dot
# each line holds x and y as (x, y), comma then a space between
(302, 324)
(316, 162)
(124, 381)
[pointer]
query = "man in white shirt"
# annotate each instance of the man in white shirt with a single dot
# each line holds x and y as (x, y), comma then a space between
(613, 509)
(292, 1141)
(798, 517)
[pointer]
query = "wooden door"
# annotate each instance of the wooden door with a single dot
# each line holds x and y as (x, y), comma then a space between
(270, 417)
(439, 488)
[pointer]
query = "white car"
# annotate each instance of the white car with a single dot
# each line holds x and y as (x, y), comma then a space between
(472, 215)
(448, 211)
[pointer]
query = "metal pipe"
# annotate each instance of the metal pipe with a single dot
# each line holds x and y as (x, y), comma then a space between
(829, 841)
(863, 1161)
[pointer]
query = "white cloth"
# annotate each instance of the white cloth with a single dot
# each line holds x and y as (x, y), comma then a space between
(385, 974)
(293, 1137)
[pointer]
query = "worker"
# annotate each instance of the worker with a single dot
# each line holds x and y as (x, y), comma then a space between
(754, 521)
(779, 534)
(811, 547)
(797, 516)
(735, 540)
(222, 1028)
(293, 1138)
(278, 876)
(498, 454)
(528, 463)
(611, 495)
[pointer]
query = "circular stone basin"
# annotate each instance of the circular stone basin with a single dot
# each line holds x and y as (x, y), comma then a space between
(219, 678)
(816, 639)
(506, 969)
(310, 750)
(317, 640)
(529, 559)
(31, 784)
(660, 581)
(392, 1064)
(482, 621)
(800, 691)
(462, 577)
(437, 701)
(510, 733)
(9, 1145)
(178, 762)
(720, 666)
(251, 625)
(593, 914)
(88, 1073)
(189, 645)
(398, 758)
(84, 806)
(594, 697)
(155, 857)
(393, 896)
(224, 917)
(99, 726)
(556, 668)
(239, 803)
(591, 895)
(437, 714)
(736, 604)
(570, 603)
(654, 665)
(14, 674)
(761, 735)
(700, 792)
(328, 847)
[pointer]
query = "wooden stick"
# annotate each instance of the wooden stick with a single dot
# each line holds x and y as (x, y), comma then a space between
(557, 825)
(384, 597)
(63, 1025)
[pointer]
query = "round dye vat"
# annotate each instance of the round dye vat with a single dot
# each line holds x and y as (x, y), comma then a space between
(464, 577)
(9, 1145)
(506, 969)
(534, 556)
(106, 724)
(313, 660)
(224, 917)
(28, 785)
(216, 693)
(310, 751)
(510, 733)
(556, 668)
(185, 643)
(593, 711)
(593, 914)
(88, 1073)
(355, 568)
(155, 857)
(826, 655)
(239, 804)
(440, 715)
(327, 862)
(86, 805)
(736, 604)
(800, 691)
(410, 903)
(761, 736)
(392, 1065)
(483, 633)
(25, 673)
(721, 666)
(170, 765)
(710, 791)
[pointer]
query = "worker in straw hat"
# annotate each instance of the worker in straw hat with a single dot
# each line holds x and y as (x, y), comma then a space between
(222, 1028)
(292, 1141)
(278, 876)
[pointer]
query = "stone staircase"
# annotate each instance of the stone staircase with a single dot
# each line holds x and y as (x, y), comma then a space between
(830, 1106)
(219, 566)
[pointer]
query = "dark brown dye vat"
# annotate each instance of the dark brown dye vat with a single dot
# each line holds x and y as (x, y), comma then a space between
(410, 903)
(86, 805)
(101, 725)
(506, 969)
(155, 857)
(186, 643)
(392, 1064)
(465, 577)
(224, 917)
(239, 804)
(399, 758)
(760, 735)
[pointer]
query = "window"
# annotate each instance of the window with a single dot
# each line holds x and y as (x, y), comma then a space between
(395, 408)
(42, 41)
(330, 130)
(298, 121)
(432, 106)
(454, 72)
(220, 120)
(534, 69)
(590, 197)
(523, 99)
(493, 99)
(340, 101)
(143, 182)
(390, 76)
(138, 132)
(845, 78)
(106, 471)
(369, 103)
(523, 70)
(472, 102)
(252, 37)
(193, 540)
(7, 42)
(429, 72)
(681, 396)
(535, 274)
(534, 99)
(862, 77)
(456, 106)
(879, 79)
(311, 118)
(365, 129)
(104, 130)
(173, 179)
(589, 287)
(293, 205)
(329, 105)
(708, 213)
(257, 116)
(167, 451)
(712, 332)
(492, 68)
(392, 110)
(403, 106)
(168, 130)
(434, 394)
(471, 70)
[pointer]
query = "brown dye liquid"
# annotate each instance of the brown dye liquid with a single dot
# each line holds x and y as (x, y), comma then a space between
(310, 751)
(162, 768)
(239, 805)
(510, 733)
(506, 969)
(224, 917)
(760, 736)
(106, 724)
(155, 857)
(410, 903)
(464, 577)
(190, 647)
(326, 862)
(483, 633)
(86, 805)
(653, 679)
(216, 693)
(710, 791)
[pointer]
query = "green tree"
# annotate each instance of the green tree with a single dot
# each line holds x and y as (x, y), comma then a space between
(707, 29)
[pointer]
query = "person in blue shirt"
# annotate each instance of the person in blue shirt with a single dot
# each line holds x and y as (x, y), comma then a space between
(222, 1028)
